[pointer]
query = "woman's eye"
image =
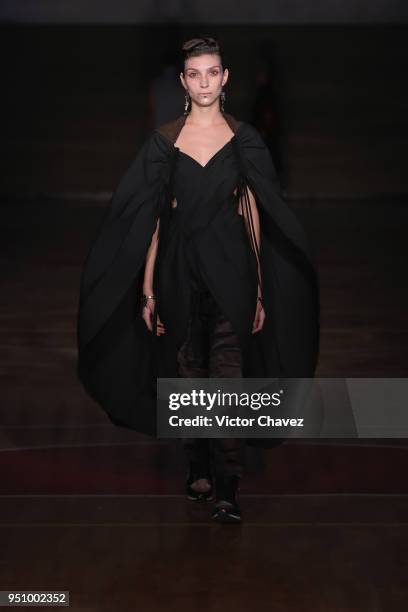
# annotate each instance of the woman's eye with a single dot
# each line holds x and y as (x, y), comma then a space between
(194, 74)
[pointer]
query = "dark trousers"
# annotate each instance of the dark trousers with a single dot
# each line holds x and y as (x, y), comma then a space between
(212, 350)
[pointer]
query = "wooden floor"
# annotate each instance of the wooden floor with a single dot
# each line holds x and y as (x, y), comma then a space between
(100, 511)
(293, 553)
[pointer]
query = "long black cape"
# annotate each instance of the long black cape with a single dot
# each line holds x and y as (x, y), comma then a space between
(118, 360)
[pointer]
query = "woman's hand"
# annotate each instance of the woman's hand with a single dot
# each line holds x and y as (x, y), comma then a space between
(147, 315)
(259, 318)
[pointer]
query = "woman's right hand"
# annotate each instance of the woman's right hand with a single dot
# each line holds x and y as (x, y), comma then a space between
(147, 315)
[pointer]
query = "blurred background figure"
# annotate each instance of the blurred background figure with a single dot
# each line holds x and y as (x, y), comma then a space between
(267, 109)
(166, 94)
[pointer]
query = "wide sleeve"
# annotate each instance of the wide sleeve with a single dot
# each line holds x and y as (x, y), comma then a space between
(114, 345)
(289, 272)
(119, 249)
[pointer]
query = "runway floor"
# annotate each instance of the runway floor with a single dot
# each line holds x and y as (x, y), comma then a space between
(100, 511)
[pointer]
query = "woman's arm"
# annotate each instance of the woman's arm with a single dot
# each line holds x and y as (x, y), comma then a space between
(151, 258)
(256, 226)
(150, 261)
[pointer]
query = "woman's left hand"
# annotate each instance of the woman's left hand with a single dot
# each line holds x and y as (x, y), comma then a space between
(259, 318)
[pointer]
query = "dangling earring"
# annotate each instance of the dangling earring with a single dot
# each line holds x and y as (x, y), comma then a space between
(187, 102)
(222, 97)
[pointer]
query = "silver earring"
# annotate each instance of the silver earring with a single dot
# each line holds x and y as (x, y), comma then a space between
(187, 103)
(222, 97)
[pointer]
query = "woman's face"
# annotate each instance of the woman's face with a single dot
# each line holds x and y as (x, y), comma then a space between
(204, 78)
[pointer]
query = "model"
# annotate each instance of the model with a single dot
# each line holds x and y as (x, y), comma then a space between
(200, 269)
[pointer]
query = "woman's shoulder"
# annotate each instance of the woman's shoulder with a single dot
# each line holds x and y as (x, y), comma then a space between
(246, 134)
(171, 129)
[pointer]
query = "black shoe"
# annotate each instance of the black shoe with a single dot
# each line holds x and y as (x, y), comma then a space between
(226, 508)
(196, 473)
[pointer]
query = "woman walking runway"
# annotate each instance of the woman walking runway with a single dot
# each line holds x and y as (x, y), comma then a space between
(198, 232)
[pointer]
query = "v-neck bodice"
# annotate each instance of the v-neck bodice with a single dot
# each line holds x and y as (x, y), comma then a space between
(202, 191)
(212, 158)
(206, 212)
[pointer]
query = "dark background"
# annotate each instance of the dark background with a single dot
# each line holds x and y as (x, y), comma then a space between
(76, 102)
(100, 510)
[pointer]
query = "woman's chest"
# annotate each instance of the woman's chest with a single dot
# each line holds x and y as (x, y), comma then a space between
(195, 186)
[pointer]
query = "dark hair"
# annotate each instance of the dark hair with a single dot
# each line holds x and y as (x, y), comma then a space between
(200, 46)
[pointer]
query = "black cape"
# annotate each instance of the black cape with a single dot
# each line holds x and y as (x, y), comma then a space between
(119, 359)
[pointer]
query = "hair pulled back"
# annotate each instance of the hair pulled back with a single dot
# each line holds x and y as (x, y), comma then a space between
(200, 46)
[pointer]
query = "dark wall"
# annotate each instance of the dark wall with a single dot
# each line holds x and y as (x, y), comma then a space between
(76, 103)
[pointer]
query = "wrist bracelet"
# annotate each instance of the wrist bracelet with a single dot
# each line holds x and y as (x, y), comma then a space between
(147, 297)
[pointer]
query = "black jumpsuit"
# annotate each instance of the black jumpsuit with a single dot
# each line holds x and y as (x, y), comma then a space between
(211, 348)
